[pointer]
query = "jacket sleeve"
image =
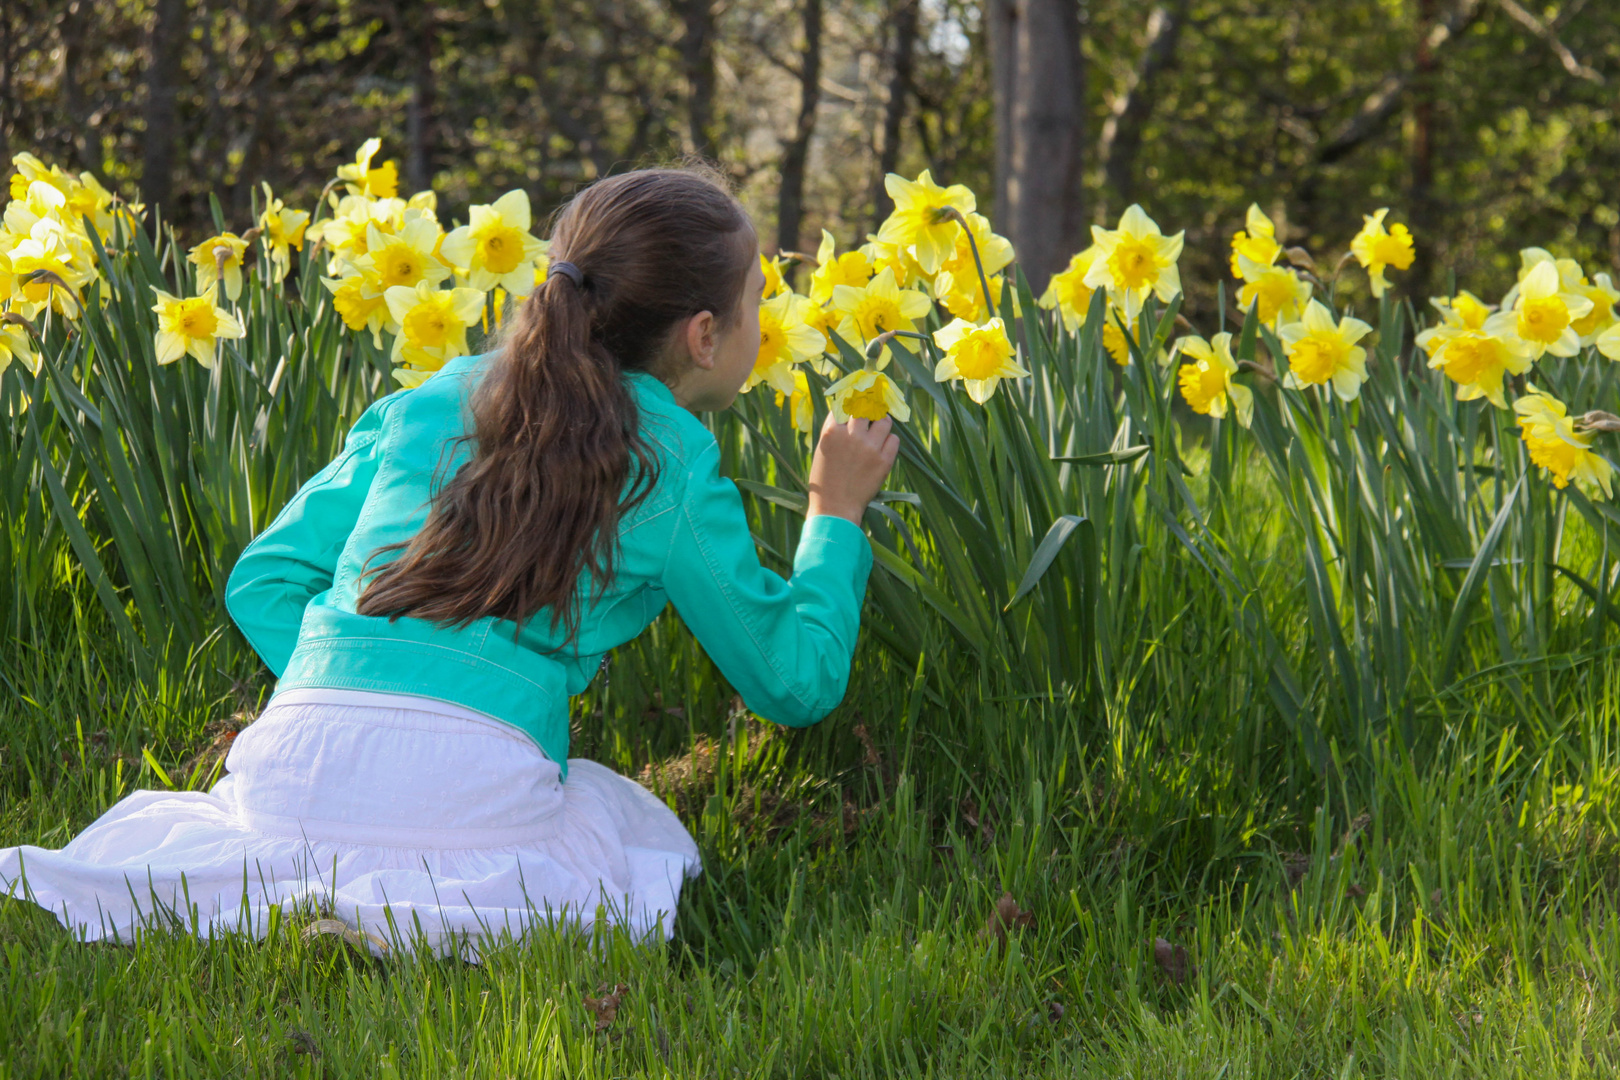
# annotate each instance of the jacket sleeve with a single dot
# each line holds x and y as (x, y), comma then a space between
(293, 561)
(785, 645)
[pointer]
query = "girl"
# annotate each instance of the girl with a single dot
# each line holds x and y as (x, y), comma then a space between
(431, 599)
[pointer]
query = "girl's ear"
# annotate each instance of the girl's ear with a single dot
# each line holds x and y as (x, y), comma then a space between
(700, 339)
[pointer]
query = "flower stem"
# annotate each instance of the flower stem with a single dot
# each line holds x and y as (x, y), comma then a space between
(973, 245)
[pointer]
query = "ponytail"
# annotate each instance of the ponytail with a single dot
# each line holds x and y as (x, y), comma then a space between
(560, 457)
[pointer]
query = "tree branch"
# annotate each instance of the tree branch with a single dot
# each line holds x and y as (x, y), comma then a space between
(1122, 132)
(1528, 20)
(1382, 103)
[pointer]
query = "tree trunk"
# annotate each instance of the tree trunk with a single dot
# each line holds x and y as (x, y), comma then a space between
(420, 117)
(1001, 28)
(1424, 74)
(1043, 193)
(164, 44)
(894, 112)
(697, 58)
(796, 153)
(261, 99)
(1121, 139)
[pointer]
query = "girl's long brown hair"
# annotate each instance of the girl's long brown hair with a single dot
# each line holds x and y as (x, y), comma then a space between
(559, 454)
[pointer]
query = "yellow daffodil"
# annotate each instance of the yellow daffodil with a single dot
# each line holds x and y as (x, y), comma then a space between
(403, 258)
(800, 409)
(1608, 342)
(881, 256)
(1068, 292)
(432, 322)
(785, 339)
(921, 225)
(358, 299)
(1465, 311)
(1135, 260)
(1545, 312)
(48, 271)
(1115, 341)
(825, 320)
(869, 395)
(851, 268)
(41, 202)
(495, 248)
(193, 324)
(31, 170)
(1569, 272)
(353, 218)
(1280, 293)
(878, 306)
(772, 269)
(1601, 291)
(1256, 241)
(1478, 359)
(1550, 436)
(542, 264)
(411, 378)
(1377, 248)
(995, 251)
(282, 230)
(87, 199)
(962, 294)
(81, 197)
(219, 258)
(379, 183)
(1206, 381)
(980, 356)
(16, 346)
(1321, 351)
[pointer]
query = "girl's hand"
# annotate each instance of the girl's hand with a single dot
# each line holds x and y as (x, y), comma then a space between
(851, 462)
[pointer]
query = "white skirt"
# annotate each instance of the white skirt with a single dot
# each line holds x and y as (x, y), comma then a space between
(416, 821)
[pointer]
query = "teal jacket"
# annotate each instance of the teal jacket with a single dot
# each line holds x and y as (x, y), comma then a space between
(785, 645)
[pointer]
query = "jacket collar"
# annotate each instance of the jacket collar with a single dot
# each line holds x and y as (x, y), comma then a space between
(645, 383)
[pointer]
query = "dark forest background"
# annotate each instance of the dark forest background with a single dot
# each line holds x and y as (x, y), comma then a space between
(1487, 124)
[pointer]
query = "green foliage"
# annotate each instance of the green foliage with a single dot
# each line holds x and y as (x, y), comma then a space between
(1460, 923)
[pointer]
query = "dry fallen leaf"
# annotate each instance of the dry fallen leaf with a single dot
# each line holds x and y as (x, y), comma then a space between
(872, 757)
(303, 1043)
(338, 929)
(1599, 421)
(1007, 915)
(606, 1007)
(1172, 961)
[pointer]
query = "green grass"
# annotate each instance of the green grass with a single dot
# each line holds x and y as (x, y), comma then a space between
(1450, 916)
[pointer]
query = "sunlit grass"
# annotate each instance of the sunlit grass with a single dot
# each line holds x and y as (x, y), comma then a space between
(1448, 914)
